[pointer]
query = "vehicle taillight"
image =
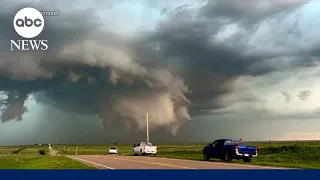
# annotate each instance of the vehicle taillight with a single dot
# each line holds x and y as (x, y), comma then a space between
(256, 149)
(144, 148)
(236, 147)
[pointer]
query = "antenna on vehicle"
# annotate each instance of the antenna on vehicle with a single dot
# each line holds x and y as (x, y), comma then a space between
(147, 119)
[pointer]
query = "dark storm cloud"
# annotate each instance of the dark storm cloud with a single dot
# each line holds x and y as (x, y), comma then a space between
(250, 11)
(12, 105)
(90, 71)
(191, 38)
(86, 70)
(303, 95)
(286, 96)
(210, 65)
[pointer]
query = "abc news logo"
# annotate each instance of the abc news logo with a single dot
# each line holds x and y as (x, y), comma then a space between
(28, 23)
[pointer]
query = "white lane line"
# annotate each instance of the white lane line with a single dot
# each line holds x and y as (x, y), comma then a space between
(146, 162)
(92, 163)
(222, 163)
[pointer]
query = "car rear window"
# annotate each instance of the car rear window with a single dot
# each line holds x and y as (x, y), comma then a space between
(113, 148)
(147, 144)
(231, 142)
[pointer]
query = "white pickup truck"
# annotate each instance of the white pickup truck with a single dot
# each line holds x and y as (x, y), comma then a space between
(144, 148)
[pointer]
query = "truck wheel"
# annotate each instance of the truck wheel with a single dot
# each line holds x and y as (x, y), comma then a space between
(206, 157)
(246, 160)
(141, 152)
(133, 154)
(227, 156)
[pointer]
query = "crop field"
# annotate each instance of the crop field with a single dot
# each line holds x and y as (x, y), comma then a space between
(28, 157)
(282, 154)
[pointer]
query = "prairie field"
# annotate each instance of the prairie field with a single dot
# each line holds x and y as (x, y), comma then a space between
(295, 154)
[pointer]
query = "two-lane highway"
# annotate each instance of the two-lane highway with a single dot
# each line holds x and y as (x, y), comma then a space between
(142, 162)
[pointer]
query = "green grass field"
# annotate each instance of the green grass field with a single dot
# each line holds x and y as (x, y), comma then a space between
(304, 155)
(29, 158)
(282, 154)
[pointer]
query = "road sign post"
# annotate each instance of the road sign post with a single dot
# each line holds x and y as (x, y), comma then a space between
(147, 128)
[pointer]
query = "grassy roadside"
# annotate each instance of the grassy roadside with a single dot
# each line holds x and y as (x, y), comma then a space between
(39, 162)
(304, 155)
(29, 158)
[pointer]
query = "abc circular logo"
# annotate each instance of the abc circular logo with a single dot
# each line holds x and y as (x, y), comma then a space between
(28, 22)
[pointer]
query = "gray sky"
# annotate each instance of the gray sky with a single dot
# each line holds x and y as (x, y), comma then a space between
(202, 69)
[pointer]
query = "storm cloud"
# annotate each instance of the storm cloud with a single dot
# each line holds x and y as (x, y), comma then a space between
(90, 71)
(286, 96)
(197, 59)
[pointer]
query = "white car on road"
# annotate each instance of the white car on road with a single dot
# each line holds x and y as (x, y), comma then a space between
(143, 148)
(113, 150)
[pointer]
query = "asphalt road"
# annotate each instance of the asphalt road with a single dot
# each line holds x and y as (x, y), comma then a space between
(142, 162)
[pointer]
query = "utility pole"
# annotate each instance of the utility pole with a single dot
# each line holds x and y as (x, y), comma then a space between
(147, 128)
